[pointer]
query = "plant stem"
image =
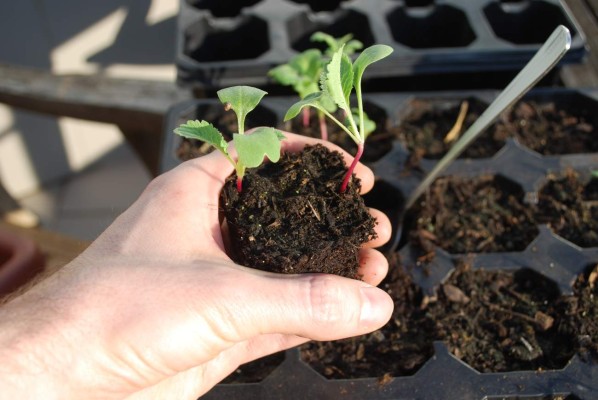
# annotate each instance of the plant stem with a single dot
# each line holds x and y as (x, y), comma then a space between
(323, 126)
(360, 108)
(240, 174)
(306, 116)
(349, 173)
(239, 184)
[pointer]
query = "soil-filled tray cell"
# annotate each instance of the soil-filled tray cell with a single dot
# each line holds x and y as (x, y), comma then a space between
(525, 22)
(462, 215)
(430, 27)
(570, 207)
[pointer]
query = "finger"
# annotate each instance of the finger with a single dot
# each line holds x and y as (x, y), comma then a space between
(373, 266)
(383, 229)
(295, 143)
(314, 306)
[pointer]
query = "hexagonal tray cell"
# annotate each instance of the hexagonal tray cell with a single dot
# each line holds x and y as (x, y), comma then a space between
(471, 215)
(569, 205)
(222, 8)
(242, 38)
(224, 121)
(525, 22)
(377, 144)
(430, 27)
(425, 123)
(499, 321)
(400, 348)
(301, 26)
(552, 124)
(321, 5)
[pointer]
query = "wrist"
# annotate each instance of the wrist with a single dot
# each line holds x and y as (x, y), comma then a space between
(24, 373)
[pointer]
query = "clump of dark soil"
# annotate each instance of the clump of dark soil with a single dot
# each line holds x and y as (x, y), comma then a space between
(400, 348)
(461, 215)
(581, 310)
(547, 128)
(291, 218)
(377, 144)
(498, 321)
(570, 208)
(495, 321)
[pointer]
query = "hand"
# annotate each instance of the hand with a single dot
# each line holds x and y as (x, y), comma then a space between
(154, 308)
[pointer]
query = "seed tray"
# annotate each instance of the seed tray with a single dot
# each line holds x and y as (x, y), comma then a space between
(225, 43)
(443, 376)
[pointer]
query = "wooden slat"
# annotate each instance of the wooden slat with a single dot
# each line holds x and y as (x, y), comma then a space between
(137, 107)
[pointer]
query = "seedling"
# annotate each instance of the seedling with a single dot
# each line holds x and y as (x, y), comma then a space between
(251, 148)
(338, 81)
(303, 72)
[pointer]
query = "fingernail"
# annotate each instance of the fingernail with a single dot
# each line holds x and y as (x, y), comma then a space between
(376, 308)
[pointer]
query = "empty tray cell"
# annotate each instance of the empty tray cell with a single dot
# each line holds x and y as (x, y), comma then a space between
(343, 22)
(425, 124)
(222, 8)
(321, 5)
(225, 40)
(552, 125)
(471, 215)
(418, 3)
(499, 321)
(570, 207)
(224, 121)
(525, 22)
(400, 348)
(430, 27)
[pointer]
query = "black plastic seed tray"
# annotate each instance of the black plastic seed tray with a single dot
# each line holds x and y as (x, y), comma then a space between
(224, 43)
(443, 376)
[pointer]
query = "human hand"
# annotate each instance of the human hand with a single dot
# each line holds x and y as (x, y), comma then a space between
(154, 308)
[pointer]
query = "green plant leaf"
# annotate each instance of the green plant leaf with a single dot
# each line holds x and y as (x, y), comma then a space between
(285, 75)
(252, 148)
(204, 131)
(338, 79)
(325, 38)
(242, 99)
(311, 100)
(369, 56)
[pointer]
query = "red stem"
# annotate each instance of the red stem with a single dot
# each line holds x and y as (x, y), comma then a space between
(323, 126)
(349, 173)
(239, 185)
(306, 116)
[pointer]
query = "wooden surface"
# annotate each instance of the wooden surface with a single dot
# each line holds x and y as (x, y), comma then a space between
(58, 249)
(137, 107)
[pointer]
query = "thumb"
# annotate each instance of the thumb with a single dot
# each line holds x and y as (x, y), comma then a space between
(313, 306)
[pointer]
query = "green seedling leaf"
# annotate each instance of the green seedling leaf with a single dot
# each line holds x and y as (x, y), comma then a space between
(338, 79)
(351, 46)
(285, 74)
(370, 55)
(204, 131)
(252, 148)
(242, 99)
(595, 173)
(311, 100)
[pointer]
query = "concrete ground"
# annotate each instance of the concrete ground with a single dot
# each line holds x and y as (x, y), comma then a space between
(77, 176)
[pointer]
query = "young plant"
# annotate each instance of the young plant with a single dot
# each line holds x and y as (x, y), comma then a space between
(252, 148)
(338, 81)
(303, 72)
